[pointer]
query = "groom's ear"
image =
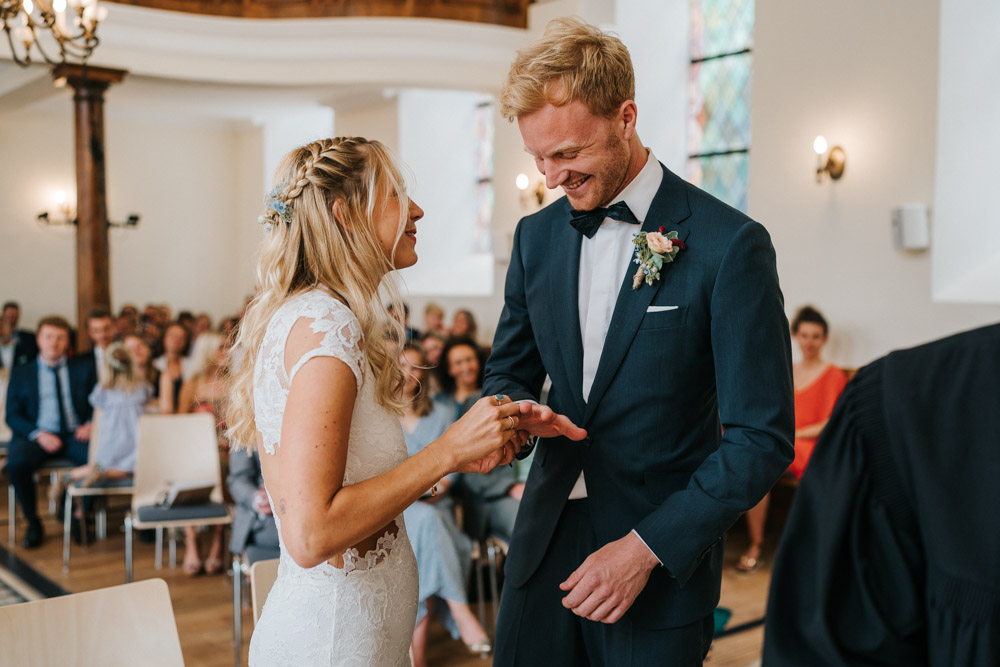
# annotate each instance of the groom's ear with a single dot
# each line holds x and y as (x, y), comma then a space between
(626, 119)
(339, 213)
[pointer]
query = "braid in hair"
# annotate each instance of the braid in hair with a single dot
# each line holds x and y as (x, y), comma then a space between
(317, 249)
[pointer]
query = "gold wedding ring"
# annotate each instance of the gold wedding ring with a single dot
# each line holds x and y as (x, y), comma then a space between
(511, 422)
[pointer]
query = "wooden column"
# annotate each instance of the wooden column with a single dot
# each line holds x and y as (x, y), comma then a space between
(93, 285)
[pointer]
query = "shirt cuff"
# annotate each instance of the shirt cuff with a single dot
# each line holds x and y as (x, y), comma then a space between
(647, 546)
(34, 434)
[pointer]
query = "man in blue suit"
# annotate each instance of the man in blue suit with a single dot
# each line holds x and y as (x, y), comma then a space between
(48, 411)
(677, 367)
(16, 345)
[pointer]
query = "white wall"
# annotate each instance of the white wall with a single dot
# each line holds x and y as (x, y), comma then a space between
(864, 74)
(183, 180)
(966, 255)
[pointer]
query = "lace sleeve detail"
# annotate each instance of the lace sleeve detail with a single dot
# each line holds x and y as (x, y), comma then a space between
(339, 335)
(341, 340)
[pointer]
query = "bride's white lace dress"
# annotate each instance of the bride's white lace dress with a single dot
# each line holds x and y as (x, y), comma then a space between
(363, 614)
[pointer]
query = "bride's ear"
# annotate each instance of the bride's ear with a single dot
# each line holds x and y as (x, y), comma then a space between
(340, 213)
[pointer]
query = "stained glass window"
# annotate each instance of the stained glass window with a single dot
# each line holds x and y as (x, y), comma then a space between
(719, 119)
(484, 168)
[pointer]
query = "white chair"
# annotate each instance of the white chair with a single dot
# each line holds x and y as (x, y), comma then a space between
(173, 448)
(262, 576)
(122, 487)
(121, 625)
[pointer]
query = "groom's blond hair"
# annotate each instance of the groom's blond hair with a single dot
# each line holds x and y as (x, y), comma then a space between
(572, 60)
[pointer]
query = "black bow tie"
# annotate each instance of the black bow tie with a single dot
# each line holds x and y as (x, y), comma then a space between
(587, 222)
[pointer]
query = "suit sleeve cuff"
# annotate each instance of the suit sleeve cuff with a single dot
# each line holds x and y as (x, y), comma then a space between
(647, 546)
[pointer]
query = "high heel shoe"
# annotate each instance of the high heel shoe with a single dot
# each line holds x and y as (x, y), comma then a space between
(480, 647)
(750, 563)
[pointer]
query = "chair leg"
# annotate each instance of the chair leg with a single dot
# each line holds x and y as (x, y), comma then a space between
(128, 548)
(480, 593)
(53, 480)
(158, 562)
(172, 549)
(11, 515)
(83, 524)
(67, 520)
(101, 518)
(237, 612)
(494, 588)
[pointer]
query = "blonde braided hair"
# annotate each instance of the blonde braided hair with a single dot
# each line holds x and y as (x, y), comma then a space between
(316, 250)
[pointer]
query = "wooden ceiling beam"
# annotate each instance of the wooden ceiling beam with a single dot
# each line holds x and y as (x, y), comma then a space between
(511, 13)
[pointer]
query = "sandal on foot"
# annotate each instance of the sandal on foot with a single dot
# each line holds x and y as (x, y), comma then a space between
(192, 568)
(213, 565)
(749, 563)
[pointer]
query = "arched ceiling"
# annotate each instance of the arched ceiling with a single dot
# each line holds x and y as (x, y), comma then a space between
(512, 13)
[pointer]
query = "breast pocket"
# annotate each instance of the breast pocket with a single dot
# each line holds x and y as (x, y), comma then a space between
(664, 319)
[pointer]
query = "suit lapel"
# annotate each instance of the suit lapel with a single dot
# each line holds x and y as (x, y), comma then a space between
(564, 281)
(669, 209)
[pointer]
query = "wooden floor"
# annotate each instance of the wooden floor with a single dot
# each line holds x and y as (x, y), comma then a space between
(203, 605)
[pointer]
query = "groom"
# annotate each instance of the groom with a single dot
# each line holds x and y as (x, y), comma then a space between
(616, 556)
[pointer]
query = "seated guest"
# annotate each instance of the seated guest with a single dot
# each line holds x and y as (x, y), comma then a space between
(185, 318)
(490, 501)
(124, 326)
(49, 413)
(173, 366)
(434, 320)
(433, 344)
(121, 396)
(101, 330)
(206, 391)
(202, 324)
(411, 333)
(253, 522)
(444, 554)
(227, 327)
(152, 332)
(890, 552)
(142, 367)
(463, 324)
(459, 373)
(25, 348)
(817, 386)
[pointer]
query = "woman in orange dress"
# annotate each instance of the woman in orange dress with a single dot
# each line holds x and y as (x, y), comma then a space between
(818, 384)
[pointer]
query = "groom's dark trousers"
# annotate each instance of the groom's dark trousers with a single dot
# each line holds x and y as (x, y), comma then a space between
(703, 349)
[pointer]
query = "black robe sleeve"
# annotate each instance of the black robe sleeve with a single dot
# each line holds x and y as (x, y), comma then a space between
(892, 547)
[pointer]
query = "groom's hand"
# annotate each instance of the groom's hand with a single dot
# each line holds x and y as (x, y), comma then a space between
(542, 421)
(607, 583)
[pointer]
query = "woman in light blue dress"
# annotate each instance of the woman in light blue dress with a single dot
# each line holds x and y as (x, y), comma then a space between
(443, 552)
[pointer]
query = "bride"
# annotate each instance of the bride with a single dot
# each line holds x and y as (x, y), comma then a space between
(319, 392)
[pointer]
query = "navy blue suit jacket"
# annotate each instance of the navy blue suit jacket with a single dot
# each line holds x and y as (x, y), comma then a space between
(655, 459)
(23, 399)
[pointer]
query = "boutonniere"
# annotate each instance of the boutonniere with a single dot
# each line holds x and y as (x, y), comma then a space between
(652, 250)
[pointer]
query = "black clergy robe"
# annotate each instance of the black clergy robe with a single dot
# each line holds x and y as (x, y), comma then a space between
(891, 553)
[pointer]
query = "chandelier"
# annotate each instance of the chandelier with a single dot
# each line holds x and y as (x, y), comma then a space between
(67, 25)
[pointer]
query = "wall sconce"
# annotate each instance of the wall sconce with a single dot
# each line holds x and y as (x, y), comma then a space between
(65, 215)
(63, 211)
(834, 162)
(530, 195)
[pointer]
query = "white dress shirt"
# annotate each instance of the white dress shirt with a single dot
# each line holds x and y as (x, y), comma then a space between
(604, 260)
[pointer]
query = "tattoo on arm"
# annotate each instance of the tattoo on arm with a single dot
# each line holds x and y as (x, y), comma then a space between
(281, 507)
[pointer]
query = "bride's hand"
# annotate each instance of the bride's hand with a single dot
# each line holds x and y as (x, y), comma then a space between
(482, 435)
(502, 456)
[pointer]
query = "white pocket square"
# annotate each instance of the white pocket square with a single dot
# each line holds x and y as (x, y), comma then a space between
(660, 309)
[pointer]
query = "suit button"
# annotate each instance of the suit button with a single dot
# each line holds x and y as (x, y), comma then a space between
(587, 441)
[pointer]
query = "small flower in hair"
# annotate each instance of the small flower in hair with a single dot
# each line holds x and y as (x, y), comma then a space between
(276, 206)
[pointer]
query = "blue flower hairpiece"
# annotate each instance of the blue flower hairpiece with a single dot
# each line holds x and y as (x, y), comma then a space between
(275, 205)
